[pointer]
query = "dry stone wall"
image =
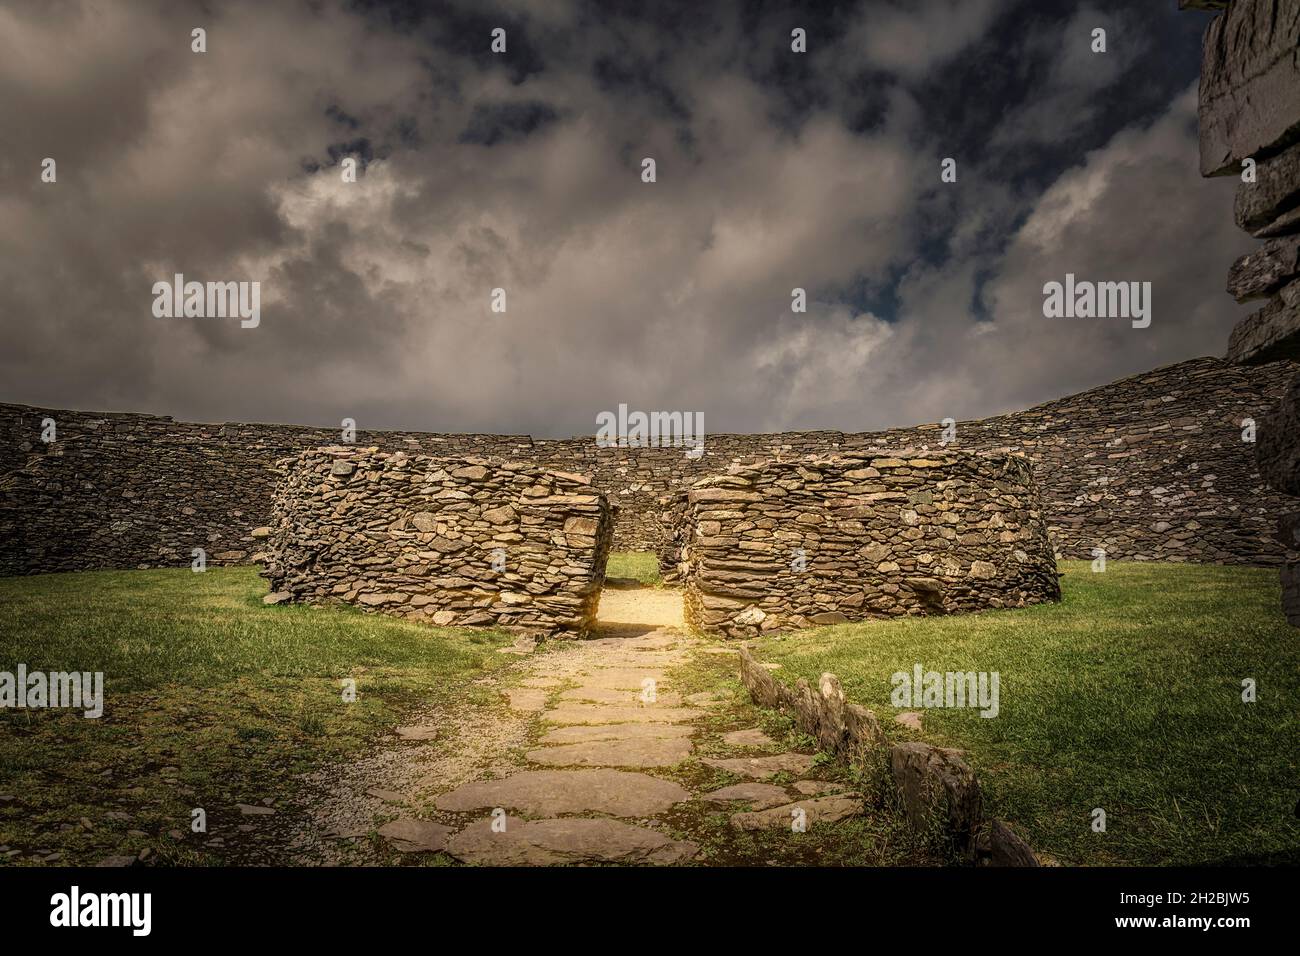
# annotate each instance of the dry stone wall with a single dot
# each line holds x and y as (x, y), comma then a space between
(1250, 127)
(453, 541)
(1152, 467)
(787, 544)
(120, 490)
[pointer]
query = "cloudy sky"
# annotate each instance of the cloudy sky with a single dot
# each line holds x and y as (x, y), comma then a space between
(522, 171)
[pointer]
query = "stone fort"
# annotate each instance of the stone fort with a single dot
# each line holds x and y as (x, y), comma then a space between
(1154, 467)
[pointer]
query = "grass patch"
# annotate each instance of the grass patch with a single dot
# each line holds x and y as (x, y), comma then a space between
(642, 566)
(212, 699)
(1125, 696)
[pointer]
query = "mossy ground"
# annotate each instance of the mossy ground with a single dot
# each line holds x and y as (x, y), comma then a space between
(212, 699)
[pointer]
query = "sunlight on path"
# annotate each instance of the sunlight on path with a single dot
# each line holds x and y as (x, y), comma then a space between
(632, 613)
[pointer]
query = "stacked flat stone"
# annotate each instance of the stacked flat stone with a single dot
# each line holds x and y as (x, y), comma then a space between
(675, 521)
(1250, 110)
(458, 542)
(1149, 468)
(788, 544)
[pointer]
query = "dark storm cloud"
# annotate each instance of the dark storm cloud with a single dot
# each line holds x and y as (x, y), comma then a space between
(522, 172)
(492, 123)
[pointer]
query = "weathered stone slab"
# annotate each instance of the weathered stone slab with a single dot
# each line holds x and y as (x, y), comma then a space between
(754, 737)
(621, 678)
(761, 768)
(1270, 334)
(815, 788)
(1277, 442)
(1266, 270)
(1291, 592)
(1250, 83)
(551, 842)
(1262, 204)
(604, 695)
(630, 752)
(1008, 848)
(649, 660)
(937, 781)
(762, 686)
(1277, 448)
(546, 793)
(911, 719)
(760, 796)
(1288, 531)
(581, 733)
(862, 732)
(527, 699)
(816, 810)
(408, 835)
(610, 714)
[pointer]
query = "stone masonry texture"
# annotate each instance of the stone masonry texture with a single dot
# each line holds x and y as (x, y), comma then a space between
(1152, 467)
(453, 541)
(1250, 126)
(1250, 83)
(788, 544)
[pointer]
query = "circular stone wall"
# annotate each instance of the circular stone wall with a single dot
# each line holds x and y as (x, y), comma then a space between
(456, 542)
(785, 544)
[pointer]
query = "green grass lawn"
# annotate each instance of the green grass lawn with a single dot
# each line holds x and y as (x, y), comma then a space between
(1126, 696)
(642, 566)
(212, 699)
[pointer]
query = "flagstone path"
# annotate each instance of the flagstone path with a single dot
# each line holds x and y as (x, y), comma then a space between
(577, 769)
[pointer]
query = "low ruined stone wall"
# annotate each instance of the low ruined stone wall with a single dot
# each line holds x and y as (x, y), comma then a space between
(933, 783)
(452, 541)
(786, 544)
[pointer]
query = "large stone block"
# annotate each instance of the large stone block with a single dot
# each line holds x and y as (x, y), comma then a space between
(1268, 206)
(1288, 531)
(1277, 443)
(1250, 83)
(1270, 334)
(1266, 270)
(1007, 847)
(937, 785)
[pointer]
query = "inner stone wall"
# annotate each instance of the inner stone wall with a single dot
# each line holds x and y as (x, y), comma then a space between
(452, 541)
(1152, 467)
(786, 544)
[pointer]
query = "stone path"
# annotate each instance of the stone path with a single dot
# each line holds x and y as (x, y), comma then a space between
(607, 717)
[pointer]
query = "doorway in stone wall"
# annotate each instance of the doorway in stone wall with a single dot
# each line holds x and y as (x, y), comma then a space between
(634, 602)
